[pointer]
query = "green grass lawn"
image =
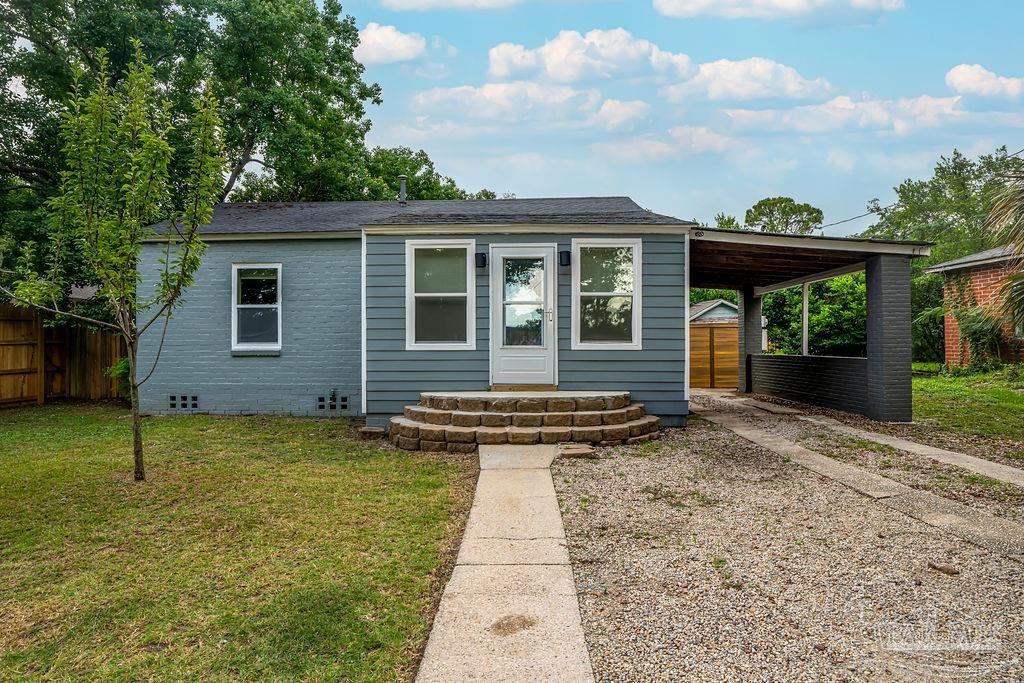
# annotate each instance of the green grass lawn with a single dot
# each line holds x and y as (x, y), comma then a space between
(259, 548)
(986, 404)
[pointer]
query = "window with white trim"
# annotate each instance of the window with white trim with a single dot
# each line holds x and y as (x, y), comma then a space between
(440, 291)
(256, 307)
(606, 294)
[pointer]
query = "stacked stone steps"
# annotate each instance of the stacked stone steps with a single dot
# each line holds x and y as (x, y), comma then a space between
(459, 423)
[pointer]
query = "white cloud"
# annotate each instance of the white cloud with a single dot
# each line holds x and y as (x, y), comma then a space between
(439, 43)
(386, 45)
(746, 79)
(840, 113)
(571, 56)
(768, 9)
(615, 114)
(698, 139)
(636, 150)
(681, 140)
(423, 130)
(974, 79)
(840, 159)
(446, 4)
(512, 102)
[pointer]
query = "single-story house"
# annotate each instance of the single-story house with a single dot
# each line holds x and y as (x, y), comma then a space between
(714, 344)
(974, 280)
(359, 308)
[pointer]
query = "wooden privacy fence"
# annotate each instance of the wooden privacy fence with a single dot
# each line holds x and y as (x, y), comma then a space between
(38, 363)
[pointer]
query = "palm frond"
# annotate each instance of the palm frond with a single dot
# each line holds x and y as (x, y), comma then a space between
(1006, 222)
(1013, 299)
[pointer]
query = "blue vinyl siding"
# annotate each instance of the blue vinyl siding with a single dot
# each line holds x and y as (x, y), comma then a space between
(320, 332)
(654, 375)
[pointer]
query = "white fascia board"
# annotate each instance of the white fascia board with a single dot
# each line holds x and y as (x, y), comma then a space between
(527, 229)
(824, 243)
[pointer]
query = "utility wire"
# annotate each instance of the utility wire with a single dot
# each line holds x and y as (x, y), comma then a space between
(883, 208)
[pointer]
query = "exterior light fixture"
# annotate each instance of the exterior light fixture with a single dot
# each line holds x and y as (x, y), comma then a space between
(564, 258)
(481, 259)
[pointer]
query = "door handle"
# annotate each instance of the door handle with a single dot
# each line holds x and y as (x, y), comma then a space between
(551, 316)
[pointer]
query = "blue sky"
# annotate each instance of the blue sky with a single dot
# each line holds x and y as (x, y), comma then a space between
(693, 107)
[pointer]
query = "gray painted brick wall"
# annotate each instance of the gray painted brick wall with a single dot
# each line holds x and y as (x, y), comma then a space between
(654, 375)
(321, 302)
(830, 381)
(890, 392)
(749, 312)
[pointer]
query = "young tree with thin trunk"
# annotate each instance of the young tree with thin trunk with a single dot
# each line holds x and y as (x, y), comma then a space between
(116, 184)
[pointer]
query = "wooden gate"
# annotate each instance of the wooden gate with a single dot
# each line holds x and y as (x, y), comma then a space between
(714, 356)
(38, 363)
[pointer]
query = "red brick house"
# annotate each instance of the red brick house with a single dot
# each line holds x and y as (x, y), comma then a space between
(979, 276)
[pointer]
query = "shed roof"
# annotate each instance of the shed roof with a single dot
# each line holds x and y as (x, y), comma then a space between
(699, 309)
(312, 217)
(996, 255)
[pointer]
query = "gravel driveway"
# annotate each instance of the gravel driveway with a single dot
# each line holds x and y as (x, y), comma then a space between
(703, 557)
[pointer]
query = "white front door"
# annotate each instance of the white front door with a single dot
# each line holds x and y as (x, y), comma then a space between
(523, 314)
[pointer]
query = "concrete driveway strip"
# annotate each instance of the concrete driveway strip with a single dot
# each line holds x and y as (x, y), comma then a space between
(995, 470)
(990, 532)
(509, 611)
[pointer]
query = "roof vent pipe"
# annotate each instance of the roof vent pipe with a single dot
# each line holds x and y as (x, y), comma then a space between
(402, 188)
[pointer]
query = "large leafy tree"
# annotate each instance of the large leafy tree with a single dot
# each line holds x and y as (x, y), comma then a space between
(949, 209)
(837, 324)
(783, 215)
(293, 97)
(376, 179)
(115, 183)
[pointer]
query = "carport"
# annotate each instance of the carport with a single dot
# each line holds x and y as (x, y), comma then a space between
(756, 264)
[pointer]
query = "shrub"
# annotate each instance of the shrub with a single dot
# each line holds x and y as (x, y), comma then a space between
(983, 333)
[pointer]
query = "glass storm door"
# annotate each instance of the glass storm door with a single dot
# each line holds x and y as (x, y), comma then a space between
(523, 316)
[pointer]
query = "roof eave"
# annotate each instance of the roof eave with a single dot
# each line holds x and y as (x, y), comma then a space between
(950, 267)
(525, 228)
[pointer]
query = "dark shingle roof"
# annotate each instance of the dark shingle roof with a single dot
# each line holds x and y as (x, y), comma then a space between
(291, 217)
(987, 256)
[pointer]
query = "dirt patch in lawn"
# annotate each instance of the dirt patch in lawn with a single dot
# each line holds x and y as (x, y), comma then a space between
(703, 557)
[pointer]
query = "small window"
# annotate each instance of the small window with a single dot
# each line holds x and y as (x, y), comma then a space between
(256, 307)
(606, 294)
(439, 295)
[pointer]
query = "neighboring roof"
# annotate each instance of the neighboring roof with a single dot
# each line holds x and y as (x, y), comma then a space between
(697, 310)
(311, 217)
(996, 255)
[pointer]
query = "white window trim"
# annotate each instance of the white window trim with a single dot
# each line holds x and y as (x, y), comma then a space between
(410, 295)
(235, 346)
(637, 294)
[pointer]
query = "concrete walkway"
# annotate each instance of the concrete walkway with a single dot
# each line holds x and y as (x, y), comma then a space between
(995, 470)
(509, 612)
(993, 533)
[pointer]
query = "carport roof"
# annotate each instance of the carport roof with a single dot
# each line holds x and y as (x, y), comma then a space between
(734, 259)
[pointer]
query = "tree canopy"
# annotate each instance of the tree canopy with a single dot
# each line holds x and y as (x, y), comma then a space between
(293, 97)
(783, 215)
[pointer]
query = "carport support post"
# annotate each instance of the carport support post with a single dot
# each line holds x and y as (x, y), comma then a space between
(805, 320)
(750, 335)
(889, 341)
